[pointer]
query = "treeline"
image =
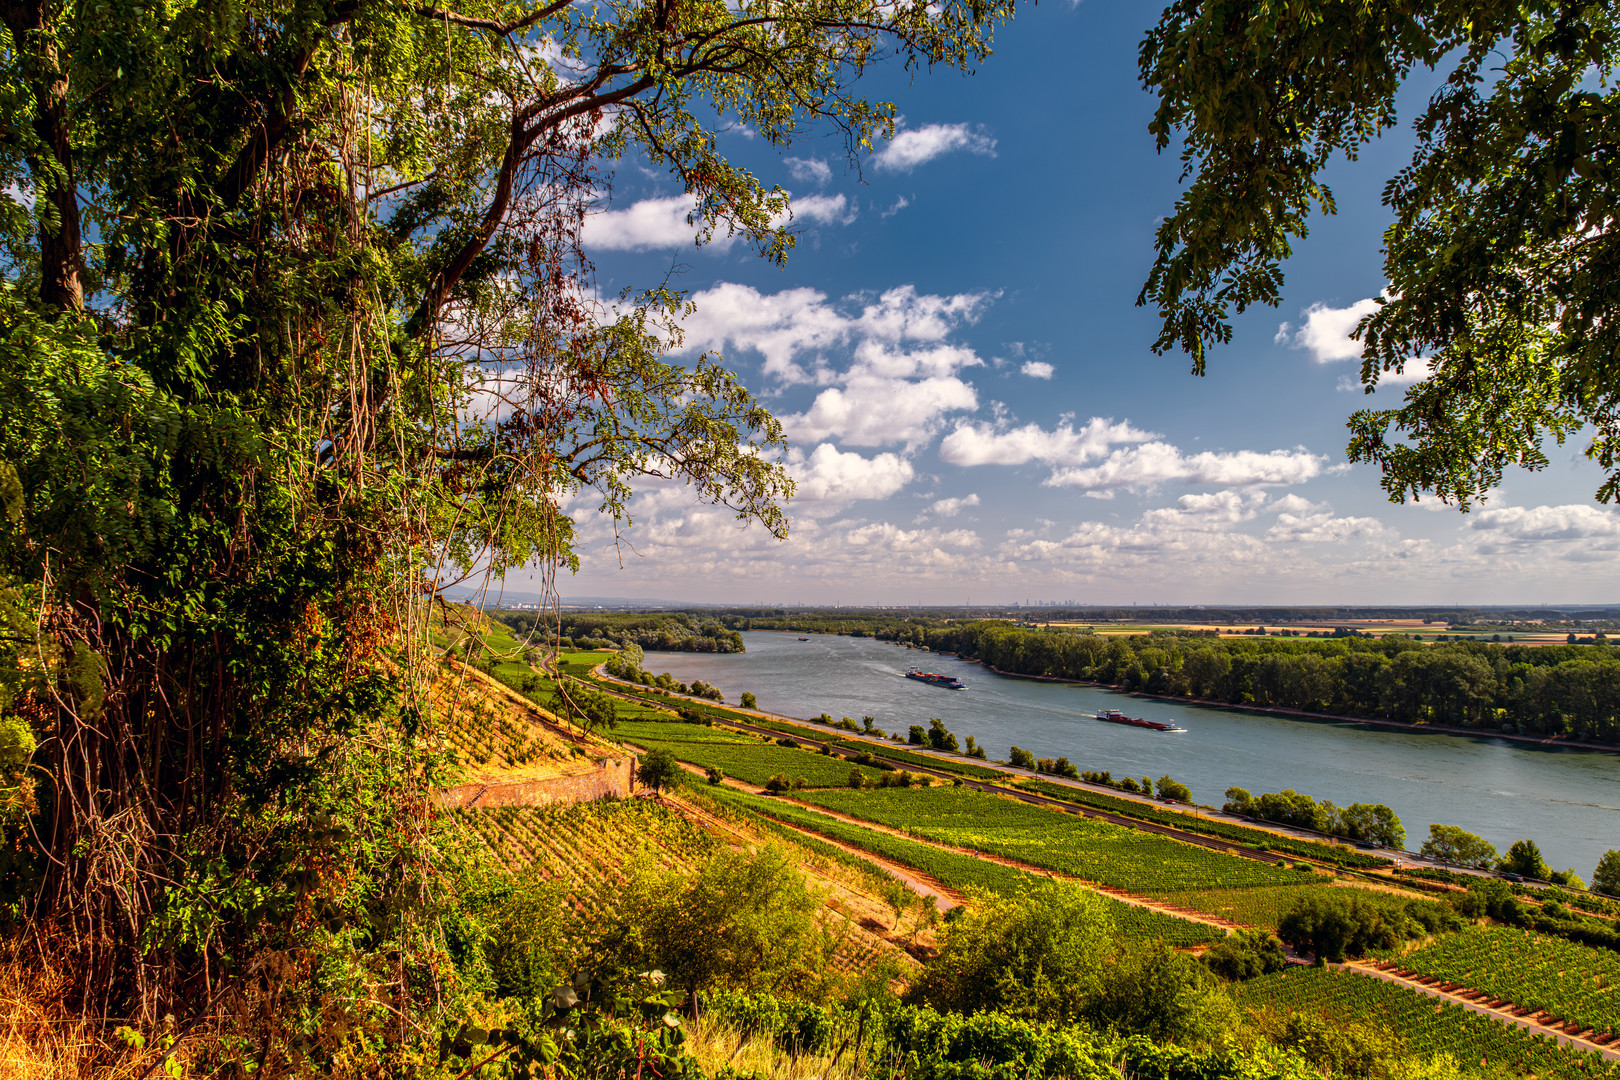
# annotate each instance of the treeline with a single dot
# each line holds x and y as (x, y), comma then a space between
(1568, 691)
(661, 632)
(888, 627)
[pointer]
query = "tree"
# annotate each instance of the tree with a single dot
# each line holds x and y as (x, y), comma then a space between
(1174, 789)
(1020, 759)
(295, 330)
(1524, 858)
(1606, 878)
(749, 701)
(1238, 801)
(1246, 954)
(1041, 955)
(939, 738)
(658, 770)
(1373, 822)
(1450, 843)
(1498, 256)
(1331, 929)
(744, 921)
(917, 736)
(714, 775)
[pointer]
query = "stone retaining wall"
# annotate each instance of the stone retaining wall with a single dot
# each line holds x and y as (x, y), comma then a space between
(611, 778)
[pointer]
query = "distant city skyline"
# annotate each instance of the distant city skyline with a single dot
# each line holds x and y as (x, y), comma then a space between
(956, 354)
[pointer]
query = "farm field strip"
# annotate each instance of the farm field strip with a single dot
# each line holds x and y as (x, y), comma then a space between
(962, 872)
(1139, 862)
(588, 845)
(756, 762)
(670, 731)
(1264, 907)
(1425, 1025)
(1241, 834)
(1540, 972)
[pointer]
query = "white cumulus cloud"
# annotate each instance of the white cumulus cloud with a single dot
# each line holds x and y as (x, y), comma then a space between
(649, 224)
(789, 325)
(1037, 369)
(1143, 467)
(672, 222)
(830, 479)
(872, 411)
(1326, 332)
(951, 507)
(909, 149)
(976, 443)
(1543, 523)
(809, 170)
(823, 209)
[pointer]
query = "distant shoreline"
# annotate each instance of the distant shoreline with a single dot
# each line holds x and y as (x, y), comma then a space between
(1275, 710)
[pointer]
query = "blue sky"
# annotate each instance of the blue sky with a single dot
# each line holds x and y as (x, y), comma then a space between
(974, 408)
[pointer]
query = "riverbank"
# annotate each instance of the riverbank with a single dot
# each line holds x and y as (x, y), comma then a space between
(1277, 710)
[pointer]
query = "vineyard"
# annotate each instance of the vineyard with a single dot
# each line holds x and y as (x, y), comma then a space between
(589, 845)
(1266, 906)
(749, 760)
(1535, 971)
(1305, 849)
(964, 872)
(1425, 1024)
(1104, 853)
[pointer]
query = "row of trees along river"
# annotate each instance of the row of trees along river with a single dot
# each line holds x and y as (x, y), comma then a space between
(1569, 691)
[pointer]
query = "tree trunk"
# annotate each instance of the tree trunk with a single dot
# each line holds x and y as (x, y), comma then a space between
(50, 161)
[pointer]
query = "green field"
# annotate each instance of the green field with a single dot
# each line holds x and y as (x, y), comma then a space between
(1427, 1026)
(1092, 850)
(666, 730)
(748, 760)
(1305, 849)
(1536, 971)
(1266, 906)
(587, 845)
(964, 872)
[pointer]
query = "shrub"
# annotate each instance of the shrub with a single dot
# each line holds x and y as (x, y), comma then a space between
(714, 775)
(1020, 759)
(749, 701)
(1246, 954)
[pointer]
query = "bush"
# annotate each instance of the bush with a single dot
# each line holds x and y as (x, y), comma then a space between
(1333, 928)
(1246, 954)
(1039, 956)
(749, 701)
(714, 775)
(1021, 759)
(777, 784)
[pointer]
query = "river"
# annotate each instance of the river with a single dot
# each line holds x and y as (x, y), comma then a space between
(1567, 801)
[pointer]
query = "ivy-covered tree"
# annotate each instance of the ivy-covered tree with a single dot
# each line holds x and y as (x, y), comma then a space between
(295, 330)
(1499, 259)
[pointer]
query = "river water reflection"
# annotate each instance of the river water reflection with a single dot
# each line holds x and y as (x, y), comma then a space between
(1568, 801)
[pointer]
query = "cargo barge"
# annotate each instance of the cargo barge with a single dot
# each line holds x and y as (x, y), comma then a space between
(1114, 716)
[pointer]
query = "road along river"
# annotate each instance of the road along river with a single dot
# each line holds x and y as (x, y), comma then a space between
(1568, 801)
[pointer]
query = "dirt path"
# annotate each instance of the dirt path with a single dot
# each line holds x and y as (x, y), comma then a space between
(1500, 1011)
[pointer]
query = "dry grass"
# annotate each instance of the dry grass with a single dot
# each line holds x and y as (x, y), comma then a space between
(40, 1039)
(717, 1045)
